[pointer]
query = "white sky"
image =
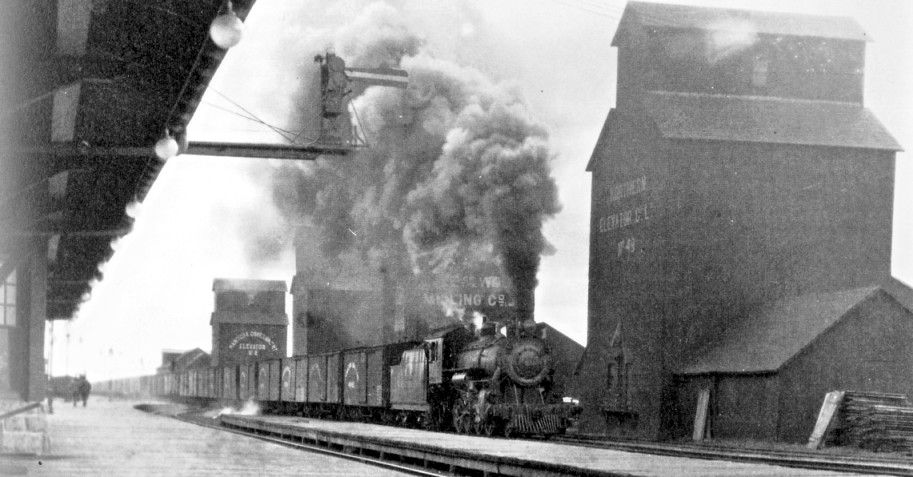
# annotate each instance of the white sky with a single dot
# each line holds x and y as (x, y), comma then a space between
(157, 288)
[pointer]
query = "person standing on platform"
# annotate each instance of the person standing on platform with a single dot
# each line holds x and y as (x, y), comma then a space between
(74, 390)
(83, 388)
(50, 392)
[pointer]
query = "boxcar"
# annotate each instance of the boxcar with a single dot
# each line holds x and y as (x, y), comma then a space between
(204, 386)
(409, 381)
(275, 379)
(245, 378)
(184, 384)
(262, 386)
(230, 382)
(367, 374)
(287, 372)
(324, 378)
(301, 378)
(253, 377)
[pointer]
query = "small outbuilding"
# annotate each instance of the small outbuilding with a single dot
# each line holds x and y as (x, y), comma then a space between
(768, 374)
(566, 354)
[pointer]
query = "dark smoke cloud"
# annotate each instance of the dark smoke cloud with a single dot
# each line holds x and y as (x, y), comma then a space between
(457, 171)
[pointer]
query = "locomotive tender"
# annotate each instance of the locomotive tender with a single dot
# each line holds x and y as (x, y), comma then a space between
(496, 380)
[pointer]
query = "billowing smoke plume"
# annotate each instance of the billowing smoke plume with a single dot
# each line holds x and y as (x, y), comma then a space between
(456, 172)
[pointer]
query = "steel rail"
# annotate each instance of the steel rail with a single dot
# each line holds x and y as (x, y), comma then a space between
(782, 458)
(793, 459)
(288, 442)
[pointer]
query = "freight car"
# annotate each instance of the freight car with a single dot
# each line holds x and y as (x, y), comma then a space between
(496, 380)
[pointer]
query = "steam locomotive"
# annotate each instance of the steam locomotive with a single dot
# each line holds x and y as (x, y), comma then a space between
(494, 380)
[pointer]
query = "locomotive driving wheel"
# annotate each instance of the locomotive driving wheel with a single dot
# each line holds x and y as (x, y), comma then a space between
(486, 427)
(483, 421)
(459, 423)
(429, 421)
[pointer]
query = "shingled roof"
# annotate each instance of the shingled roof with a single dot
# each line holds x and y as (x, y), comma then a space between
(665, 16)
(195, 358)
(767, 120)
(773, 334)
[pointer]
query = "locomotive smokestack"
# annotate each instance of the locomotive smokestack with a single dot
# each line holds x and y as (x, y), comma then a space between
(458, 174)
(526, 304)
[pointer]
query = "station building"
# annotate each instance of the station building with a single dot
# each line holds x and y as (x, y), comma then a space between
(740, 242)
(89, 87)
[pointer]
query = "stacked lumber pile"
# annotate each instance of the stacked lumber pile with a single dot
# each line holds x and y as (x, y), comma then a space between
(879, 422)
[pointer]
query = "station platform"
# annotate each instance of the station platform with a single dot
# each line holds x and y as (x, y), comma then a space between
(114, 439)
(527, 457)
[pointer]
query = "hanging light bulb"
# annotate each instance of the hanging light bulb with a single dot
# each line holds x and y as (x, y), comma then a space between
(166, 147)
(226, 30)
(133, 208)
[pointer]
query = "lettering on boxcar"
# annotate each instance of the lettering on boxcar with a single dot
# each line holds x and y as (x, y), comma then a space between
(350, 383)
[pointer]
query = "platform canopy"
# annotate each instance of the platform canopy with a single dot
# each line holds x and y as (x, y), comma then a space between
(95, 84)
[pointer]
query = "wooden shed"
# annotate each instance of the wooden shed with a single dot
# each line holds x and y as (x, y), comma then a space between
(767, 374)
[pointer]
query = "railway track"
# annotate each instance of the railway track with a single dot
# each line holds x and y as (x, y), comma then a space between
(784, 458)
(409, 461)
(343, 453)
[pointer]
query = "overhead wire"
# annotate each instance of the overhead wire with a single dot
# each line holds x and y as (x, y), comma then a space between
(285, 134)
(589, 8)
(245, 116)
(358, 122)
(616, 11)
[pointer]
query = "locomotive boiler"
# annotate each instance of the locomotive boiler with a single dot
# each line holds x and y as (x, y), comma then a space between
(502, 383)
